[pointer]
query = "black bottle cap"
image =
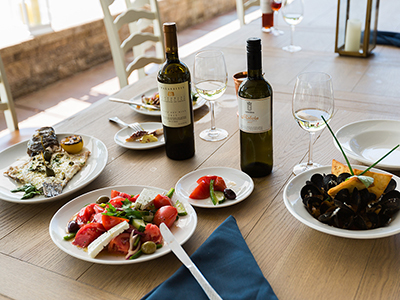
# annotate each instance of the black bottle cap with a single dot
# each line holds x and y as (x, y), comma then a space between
(253, 44)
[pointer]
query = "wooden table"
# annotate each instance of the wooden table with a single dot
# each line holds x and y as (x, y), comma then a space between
(299, 262)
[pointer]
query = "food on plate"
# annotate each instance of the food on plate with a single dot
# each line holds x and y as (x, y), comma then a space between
(49, 167)
(123, 224)
(144, 136)
(355, 203)
(155, 100)
(72, 144)
(214, 187)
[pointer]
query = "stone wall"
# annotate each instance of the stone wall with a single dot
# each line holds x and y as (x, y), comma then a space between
(33, 64)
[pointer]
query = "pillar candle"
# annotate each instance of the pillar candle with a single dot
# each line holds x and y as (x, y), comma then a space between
(353, 35)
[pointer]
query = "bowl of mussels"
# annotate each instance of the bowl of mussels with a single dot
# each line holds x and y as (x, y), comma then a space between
(332, 200)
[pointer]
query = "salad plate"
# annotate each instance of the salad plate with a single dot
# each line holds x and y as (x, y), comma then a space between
(294, 203)
(369, 140)
(199, 103)
(121, 136)
(239, 182)
(182, 229)
(17, 154)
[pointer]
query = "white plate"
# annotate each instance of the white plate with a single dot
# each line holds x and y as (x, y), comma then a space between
(121, 136)
(294, 203)
(367, 141)
(199, 103)
(182, 229)
(94, 166)
(239, 182)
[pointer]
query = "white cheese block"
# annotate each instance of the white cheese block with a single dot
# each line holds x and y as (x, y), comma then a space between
(145, 199)
(98, 244)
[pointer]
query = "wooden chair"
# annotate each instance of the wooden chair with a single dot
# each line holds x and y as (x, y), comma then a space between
(138, 20)
(6, 100)
(242, 6)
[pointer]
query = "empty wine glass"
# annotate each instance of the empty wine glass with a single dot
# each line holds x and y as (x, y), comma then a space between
(312, 99)
(276, 6)
(292, 13)
(210, 81)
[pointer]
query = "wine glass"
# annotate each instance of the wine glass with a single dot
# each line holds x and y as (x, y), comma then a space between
(292, 12)
(276, 6)
(312, 99)
(210, 81)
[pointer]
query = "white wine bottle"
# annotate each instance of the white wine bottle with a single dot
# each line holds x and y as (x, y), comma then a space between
(255, 116)
(176, 106)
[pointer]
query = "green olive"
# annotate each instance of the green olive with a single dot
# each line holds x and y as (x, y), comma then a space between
(148, 247)
(102, 199)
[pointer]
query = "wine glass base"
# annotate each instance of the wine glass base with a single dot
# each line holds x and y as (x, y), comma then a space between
(276, 32)
(268, 30)
(300, 168)
(215, 135)
(292, 48)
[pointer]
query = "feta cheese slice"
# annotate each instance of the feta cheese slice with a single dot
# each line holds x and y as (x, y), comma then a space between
(145, 199)
(98, 244)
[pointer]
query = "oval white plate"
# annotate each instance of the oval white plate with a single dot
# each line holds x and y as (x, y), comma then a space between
(199, 103)
(239, 182)
(367, 141)
(294, 203)
(182, 229)
(94, 166)
(121, 136)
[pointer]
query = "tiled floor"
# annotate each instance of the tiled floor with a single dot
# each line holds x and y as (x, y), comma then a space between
(69, 96)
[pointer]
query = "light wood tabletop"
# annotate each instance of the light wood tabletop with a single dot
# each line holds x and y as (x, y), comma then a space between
(299, 262)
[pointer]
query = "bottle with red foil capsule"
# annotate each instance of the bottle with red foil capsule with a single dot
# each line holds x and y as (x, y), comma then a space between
(267, 15)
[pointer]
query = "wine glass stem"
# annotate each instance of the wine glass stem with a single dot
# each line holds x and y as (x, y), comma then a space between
(291, 35)
(275, 18)
(212, 115)
(310, 151)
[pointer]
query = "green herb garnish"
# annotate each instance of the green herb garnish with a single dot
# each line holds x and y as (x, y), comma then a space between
(29, 190)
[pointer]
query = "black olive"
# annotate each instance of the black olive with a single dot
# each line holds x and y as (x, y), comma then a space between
(73, 226)
(229, 194)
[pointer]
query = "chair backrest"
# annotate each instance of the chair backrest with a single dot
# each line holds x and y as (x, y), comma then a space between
(6, 100)
(242, 6)
(138, 19)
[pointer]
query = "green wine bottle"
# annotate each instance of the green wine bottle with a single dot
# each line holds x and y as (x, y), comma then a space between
(255, 116)
(175, 100)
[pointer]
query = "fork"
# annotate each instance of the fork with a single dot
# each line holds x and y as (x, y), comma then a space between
(135, 126)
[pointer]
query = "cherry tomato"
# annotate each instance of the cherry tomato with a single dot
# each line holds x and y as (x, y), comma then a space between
(161, 200)
(110, 221)
(119, 244)
(202, 191)
(166, 214)
(152, 233)
(85, 214)
(87, 234)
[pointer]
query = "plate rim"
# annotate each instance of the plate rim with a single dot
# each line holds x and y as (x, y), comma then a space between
(327, 229)
(92, 176)
(146, 146)
(224, 204)
(81, 198)
(357, 157)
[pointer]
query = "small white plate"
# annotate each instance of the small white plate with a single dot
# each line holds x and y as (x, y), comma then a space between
(199, 103)
(239, 182)
(294, 203)
(121, 136)
(16, 154)
(182, 229)
(368, 141)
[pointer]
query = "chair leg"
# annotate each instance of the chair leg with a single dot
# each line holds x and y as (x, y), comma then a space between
(240, 11)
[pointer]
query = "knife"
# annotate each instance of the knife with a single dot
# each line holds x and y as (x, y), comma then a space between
(185, 259)
(133, 103)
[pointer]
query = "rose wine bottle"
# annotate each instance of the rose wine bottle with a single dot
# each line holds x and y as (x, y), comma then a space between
(267, 16)
(255, 116)
(174, 87)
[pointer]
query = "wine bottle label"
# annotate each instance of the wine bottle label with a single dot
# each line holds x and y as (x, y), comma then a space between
(254, 114)
(265, 6)
(175, 104)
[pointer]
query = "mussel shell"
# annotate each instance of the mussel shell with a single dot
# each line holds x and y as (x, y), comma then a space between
(330, 181)
(359, 223)
(343, 195)
(309, 190)
(318, 180)
(391, 186)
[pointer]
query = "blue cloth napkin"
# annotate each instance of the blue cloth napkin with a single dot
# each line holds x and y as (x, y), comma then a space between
(388, 38)
(227, 263)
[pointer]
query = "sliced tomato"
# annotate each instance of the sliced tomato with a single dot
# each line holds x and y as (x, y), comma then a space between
(117, 201)
(202, 191)
(115, 193)
(110, 221)
(87, 234)
(165, 214)
(134, 198)
(96, 218)
(152, 233)
(85, 214)
(119, 244)
(161, 200)
(219, 182)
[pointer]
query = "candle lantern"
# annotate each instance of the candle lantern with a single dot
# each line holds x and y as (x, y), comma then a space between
(35, 15)
(356, 27)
